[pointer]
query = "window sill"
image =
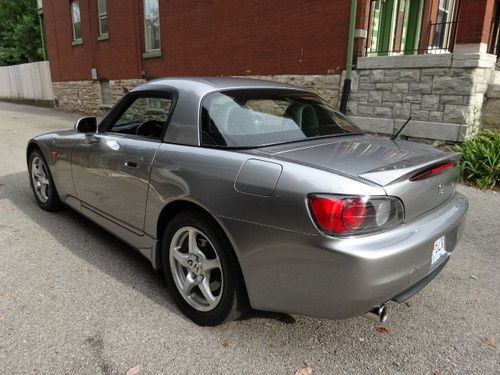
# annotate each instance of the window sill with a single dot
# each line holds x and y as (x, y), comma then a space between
(77, 42)
(151, 54)
(106, 106)
(103, 37)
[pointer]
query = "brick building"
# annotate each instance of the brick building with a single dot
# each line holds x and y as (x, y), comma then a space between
(431, 59)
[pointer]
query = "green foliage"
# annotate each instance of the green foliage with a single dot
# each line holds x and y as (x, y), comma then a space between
(20, 36)
(480, 162)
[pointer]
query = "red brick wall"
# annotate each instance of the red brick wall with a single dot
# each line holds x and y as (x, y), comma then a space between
(117, 58)
(202, 37)
(474, 21)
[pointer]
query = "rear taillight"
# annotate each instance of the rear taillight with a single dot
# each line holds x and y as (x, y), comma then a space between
(432, 171)
(346, 215)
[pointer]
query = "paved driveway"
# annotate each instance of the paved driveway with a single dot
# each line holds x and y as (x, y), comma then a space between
(75, 300)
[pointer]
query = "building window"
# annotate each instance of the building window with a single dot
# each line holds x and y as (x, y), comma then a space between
(394, 27)
(106, 93)
(77, 22)
(443, 27)
(103, 18)
(152, 25)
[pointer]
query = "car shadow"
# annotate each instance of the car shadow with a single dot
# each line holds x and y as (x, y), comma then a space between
(80, 235)
(113, 256)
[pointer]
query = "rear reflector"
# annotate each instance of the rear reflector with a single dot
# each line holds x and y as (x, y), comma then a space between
(433, 171)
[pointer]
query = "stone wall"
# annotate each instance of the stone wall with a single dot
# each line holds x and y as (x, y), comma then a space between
(442, 93)
(326, 86)
(85, 96)
(491, 109)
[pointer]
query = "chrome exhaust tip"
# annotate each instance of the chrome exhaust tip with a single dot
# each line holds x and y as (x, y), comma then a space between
(378, 313)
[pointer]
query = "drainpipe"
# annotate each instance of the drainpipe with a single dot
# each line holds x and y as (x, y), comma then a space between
(350, 53)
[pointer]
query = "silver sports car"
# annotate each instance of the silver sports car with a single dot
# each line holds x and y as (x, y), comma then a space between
(255, 194)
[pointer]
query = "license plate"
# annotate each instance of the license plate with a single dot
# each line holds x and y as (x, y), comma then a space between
(439, 249)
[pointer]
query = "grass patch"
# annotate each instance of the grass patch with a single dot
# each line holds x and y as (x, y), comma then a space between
(480, 163)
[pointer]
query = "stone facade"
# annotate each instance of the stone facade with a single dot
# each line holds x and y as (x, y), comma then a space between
(86, 96)
(443, 94)
(491, 109)
(326, 86)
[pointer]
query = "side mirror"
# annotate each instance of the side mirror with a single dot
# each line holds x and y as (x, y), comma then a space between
(86, 125)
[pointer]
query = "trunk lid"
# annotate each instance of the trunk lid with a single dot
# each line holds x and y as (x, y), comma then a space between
(382, 161)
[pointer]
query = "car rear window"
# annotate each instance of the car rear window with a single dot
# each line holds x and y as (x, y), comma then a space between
(255, 118)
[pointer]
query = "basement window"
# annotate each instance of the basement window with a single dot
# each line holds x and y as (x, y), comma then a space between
(103, 18)
(106, 94)
(151, 26)
(77, 22)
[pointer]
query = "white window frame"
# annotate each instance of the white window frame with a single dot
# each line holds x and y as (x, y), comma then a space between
(146, 18)
(76, 3)
(102, 14)
(450, 16)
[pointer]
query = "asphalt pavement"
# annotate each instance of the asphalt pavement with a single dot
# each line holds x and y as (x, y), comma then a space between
(75, 300)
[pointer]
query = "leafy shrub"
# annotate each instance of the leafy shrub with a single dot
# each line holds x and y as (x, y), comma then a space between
(480, 163)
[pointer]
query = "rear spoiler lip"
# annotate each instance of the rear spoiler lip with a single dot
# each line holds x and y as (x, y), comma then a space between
(392, 174)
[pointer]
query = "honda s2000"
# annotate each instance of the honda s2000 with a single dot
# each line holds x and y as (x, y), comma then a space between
(257, 194)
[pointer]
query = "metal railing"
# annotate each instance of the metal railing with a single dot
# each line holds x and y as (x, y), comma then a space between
(441, 39)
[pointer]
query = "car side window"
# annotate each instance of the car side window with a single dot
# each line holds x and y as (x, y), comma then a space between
(145, 116)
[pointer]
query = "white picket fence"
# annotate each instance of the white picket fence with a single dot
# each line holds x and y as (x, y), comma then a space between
(26, 81)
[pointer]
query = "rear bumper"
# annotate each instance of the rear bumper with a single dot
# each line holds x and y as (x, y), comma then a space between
(339, 278)
(418, 286)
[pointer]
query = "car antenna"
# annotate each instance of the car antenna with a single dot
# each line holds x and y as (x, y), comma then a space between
(396, 135)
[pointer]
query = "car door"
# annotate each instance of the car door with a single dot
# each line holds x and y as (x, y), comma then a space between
(111, 168)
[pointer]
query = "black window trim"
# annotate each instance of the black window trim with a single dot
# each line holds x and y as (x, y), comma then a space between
(124, 103)
(297, 91)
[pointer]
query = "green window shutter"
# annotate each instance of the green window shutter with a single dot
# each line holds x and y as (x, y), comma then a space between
(414, 26)
(385, 27)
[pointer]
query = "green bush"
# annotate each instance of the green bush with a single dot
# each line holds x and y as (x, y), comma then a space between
(480, 163)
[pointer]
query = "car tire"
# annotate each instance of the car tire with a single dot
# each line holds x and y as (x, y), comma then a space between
(42, 183)
(193, 246)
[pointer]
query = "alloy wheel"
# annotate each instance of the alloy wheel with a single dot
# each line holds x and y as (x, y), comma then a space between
(40, 179)
(196, 268)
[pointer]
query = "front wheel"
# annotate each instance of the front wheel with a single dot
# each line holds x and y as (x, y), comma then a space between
(201, 270)
(42, 182)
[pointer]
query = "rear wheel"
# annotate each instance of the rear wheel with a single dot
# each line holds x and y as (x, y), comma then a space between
(201, 270)
(42, 183)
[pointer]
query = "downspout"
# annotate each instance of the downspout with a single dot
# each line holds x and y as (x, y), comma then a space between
(42, 33)
(350, 54)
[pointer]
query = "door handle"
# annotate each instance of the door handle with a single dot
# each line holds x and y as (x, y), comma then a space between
(131, 164)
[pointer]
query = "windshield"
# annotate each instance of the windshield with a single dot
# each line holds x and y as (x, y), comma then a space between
(254, 118)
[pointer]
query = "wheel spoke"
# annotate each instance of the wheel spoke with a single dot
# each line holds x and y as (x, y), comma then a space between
(205, 290)
(192, 245)
(39, 166)
(210, 264)
(182, 258)
(44, 190)
(188, 284)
